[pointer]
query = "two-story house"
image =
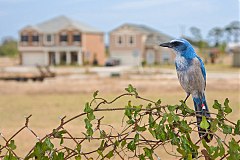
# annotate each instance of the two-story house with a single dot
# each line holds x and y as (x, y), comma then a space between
(133, 44)
(61, 41)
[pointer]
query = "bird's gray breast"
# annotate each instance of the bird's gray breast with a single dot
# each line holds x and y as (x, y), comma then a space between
(190, 75)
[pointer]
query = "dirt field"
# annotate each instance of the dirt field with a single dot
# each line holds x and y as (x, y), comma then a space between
(67, 95)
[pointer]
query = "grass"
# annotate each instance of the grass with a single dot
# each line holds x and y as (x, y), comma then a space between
(46, 108)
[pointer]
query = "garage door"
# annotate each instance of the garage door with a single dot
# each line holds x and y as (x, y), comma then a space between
(33, 59)
(127, 58)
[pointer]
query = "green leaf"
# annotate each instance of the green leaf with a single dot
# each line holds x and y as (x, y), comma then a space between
(95, 94)
(182, 152)
(151, 121)
(148, 152)
(11, 145)
(100, 152)
(124, 142)
(226, 129)
(10, 156)
(90, 116)
(78, 148)
(78, 157)
(110, 154)
(87, 123)
(227, 109)
(131, 89)
(204, 123)
(136, 138)
(213, 126)
(237, 128)
(60, 156)
(87, 108)
(170, 118)
(221, 148)
(206, 146)
(140, 129)
(189, 157)
(152, 132)
(103, 134)
(141, 157)
(49, 143)
(234, 150)
(184, 127)
(216, 105)
(131, 145)
(158, 102)
(172, 108)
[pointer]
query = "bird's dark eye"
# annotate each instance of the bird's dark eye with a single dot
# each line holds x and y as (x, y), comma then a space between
(176, 43)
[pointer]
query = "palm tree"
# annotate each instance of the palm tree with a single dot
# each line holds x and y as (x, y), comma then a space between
(236, 30)
(233, 30)
(196, 32)
(229, 31)
(216, 33)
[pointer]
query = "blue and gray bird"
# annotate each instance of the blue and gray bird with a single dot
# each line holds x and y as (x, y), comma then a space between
(192, 77)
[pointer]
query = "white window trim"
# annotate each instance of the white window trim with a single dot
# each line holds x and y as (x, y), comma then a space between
(48, 42)
(63, 42)
(77, 33)
(36, 43)
(134, 41)
(116, 40)
(24, 43)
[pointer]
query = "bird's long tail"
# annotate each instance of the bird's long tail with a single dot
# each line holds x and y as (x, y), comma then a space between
(201, 108)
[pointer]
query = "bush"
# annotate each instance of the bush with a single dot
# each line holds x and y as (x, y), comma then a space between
(9, 48)
(146, 128)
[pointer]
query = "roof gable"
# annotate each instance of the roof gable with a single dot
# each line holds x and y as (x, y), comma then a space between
(153, 35)
(62, 22)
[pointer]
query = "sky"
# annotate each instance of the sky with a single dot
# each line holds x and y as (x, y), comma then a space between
(172, 17)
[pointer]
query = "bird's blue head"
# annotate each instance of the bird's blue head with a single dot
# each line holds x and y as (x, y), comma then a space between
(181, 46)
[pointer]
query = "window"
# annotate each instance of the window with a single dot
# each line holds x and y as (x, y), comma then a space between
(131, 40)
(24, 38)
(76, 38)
(120, 41)
(35, 38)
(63, 38)
(49, 38)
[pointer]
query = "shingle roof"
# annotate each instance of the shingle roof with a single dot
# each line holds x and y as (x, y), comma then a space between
(58, 23)
(153, 35)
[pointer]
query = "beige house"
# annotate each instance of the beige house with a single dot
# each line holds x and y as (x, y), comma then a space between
(133, 44)
(61, 40)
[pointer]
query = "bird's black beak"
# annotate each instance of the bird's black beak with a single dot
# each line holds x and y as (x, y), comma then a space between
(168, 44)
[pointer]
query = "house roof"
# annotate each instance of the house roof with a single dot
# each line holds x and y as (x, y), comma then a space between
(153, 36)
(62, 22)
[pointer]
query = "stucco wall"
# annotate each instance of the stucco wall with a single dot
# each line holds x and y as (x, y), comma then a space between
(94, 45)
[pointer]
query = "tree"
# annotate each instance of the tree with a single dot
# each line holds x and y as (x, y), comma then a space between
(235, 30)
(216, 33)
(232, 30)
(196, 32)
(8, 47)
(228, 31)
